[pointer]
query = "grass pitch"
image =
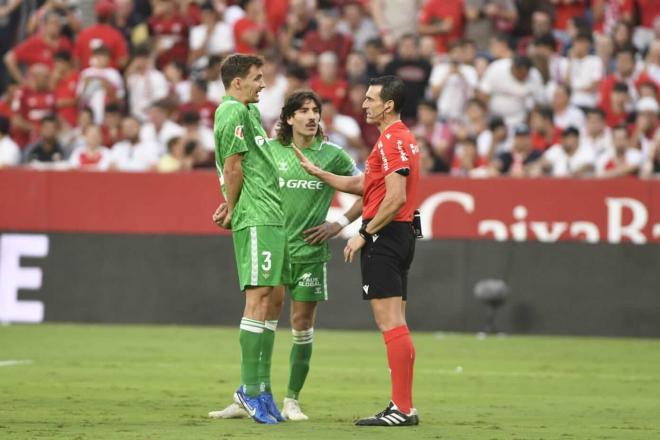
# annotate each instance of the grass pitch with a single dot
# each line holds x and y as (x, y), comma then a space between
(130, 382)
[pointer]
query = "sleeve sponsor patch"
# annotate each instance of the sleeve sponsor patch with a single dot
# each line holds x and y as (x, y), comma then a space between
(238, 131)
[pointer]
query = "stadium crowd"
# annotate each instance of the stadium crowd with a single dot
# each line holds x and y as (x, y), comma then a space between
(494, 87)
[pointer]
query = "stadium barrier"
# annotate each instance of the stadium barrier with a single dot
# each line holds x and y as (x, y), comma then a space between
(579, 256)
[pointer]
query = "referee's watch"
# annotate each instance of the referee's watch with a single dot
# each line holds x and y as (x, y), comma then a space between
(364, 234)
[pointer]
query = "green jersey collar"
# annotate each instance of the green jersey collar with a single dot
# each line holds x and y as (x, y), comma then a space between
(230, 98)
(316, 144)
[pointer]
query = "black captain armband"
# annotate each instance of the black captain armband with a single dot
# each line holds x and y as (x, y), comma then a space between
(405, 172)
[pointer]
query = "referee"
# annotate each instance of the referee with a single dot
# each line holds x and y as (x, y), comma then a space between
(387, 239)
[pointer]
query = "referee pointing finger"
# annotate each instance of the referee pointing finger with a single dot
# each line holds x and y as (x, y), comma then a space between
(386, 241)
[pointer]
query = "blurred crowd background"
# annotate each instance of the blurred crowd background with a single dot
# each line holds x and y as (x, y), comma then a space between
(493, 87)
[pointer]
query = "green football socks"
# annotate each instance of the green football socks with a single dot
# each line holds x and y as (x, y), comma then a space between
(250, 337)
(301, 353)
(265, 359)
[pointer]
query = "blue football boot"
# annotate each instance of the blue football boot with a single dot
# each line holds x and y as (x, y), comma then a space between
(254, 406)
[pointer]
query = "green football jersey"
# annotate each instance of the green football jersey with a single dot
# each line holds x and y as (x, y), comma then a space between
(306, 199)
(237, 129)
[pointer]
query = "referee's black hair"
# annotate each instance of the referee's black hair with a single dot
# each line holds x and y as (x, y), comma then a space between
(238, 66)
(294, 102)
(393, 90)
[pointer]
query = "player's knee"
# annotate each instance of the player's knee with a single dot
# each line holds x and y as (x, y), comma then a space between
(300, 321)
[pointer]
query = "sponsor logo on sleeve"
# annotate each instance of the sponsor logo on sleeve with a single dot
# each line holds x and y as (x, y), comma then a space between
(238, 132)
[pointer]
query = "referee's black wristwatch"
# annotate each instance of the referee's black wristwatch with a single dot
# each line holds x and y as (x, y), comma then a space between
(364, 234)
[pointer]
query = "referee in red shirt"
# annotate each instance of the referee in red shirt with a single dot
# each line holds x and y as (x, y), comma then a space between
(387, 239)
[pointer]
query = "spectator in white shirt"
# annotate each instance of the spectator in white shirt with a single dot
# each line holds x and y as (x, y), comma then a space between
(176, 74)
(10, 154)
(92, 156)
(271, 98)
(211, 37)
(621, 160)
(145, 84)
(584, 72)
(132, 154)
(160, 128)
(494, 141)
(566, 159)
(343, 130)
(596, 135)
(511, 87)
(565, 114)
(100, 84)
(452, 84)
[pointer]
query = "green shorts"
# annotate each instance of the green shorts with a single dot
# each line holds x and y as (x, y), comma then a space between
(262, 256)
(309, 281)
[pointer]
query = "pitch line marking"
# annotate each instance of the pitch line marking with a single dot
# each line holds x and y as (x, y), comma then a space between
(13, 362)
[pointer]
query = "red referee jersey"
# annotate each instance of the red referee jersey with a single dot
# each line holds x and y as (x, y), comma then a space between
(396, 149)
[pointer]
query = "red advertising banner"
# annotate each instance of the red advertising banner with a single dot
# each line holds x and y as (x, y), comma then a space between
(546, 210)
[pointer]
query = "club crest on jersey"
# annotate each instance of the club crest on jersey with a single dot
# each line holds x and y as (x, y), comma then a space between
(238, 132)
(259, 140)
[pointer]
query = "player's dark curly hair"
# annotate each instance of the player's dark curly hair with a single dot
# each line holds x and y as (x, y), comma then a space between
(294, 102)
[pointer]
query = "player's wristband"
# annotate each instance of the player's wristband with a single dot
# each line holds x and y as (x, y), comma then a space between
(343, 221)
(364, 234)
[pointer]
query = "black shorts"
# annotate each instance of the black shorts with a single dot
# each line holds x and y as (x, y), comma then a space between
(385, 261)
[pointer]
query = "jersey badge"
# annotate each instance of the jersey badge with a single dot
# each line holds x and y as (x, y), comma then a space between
(238, 132)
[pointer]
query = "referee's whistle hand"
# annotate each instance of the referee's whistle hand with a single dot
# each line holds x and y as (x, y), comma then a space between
(352, 247)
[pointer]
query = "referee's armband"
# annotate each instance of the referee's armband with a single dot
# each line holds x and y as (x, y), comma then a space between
(405, 172)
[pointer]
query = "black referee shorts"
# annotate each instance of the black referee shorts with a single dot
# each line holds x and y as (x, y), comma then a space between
(385, 260)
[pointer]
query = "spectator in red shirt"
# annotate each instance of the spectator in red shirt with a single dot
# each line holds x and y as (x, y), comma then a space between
(565, 10)
(544, 132)
(32, 103)
(111, 128)
(251, 32)
(170, 28)
(325, 39)
(66, 84)
(616, 111)
(442, 19)
(625, 73)
(40, 48)
(199, 103)
(328, 84)
(101, 34)
(608, 12)
(276, 11)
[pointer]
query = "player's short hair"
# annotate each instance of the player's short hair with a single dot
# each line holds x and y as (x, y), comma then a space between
(238, 66)
(294, 102)
(392, 90)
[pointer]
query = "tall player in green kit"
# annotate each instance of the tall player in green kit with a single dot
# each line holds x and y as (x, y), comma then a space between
(248, 177)
(305, 201)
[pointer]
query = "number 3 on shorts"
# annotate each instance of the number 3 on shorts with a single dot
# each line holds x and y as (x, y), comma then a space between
(267, 262)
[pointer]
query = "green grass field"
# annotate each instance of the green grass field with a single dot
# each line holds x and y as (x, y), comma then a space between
(130, 382)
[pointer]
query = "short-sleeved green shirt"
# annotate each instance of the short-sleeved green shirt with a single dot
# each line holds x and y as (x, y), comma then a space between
(305, 198)
(238, 130)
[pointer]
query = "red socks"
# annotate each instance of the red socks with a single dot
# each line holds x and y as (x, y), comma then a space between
(401, 358)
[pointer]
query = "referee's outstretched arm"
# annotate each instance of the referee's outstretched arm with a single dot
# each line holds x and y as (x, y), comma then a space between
(347, 184)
